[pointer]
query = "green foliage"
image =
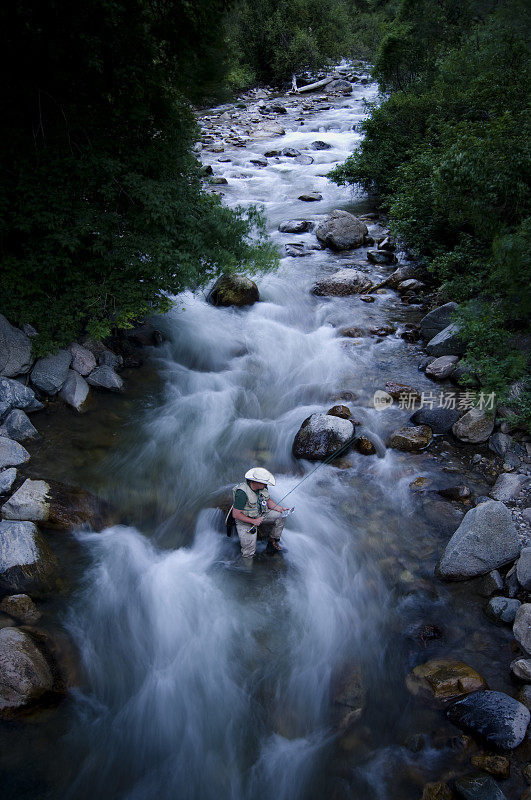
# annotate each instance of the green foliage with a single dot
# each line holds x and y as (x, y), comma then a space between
(448, 151)
(103, 214)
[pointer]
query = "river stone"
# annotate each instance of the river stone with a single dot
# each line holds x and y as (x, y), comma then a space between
(446, 342)
(342, 283)
(493, 716)
(233, 290)
(523, 569)
(524, 696)
(75, 390)
(437, 320)
(18, 427)
(49, 373)
(321, 435)
(440, 420)
(24, 672)
(400, 274)
(342, 231)
(12, 453)
(259, 162)
(441, 367)
(410, 437)
(311, 197)
(295, 226)
(105, 377)
(306, 160)
(353, 332)
(508, 486)
(15, 350)
(26, 562)
(339, 411)
(500, 766)
(486, 539)
(381, 257)
(363, 445)
(7, 479)
(21, 607)
(521, 669)
(57, 505)
(444, 679)
(409, 286)
(83, 361)
(290, 152)
(474, 426)
(109, 359)
(437, 790)
(478, 787)
(266, 129)
(502, 609)
(341, 86)
(319, 145)
(491, 583)
(16, 395)
(522, 627)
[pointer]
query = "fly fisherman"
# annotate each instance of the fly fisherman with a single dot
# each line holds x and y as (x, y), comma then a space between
(250, 505)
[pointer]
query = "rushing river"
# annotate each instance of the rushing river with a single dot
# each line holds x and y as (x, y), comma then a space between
(205, 681)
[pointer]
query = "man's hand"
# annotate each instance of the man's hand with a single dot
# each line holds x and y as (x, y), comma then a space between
(258, 520)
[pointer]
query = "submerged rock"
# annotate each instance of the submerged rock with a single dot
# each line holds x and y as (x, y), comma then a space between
(26, 562)
(56, 505)
(486, 539)
(411, 437)
(49, 373)
(233, 290)
(15, 350)
(321, 435)
(24, 672)
(493, 716)
(444, 679)
(342, 283)
(342, 231)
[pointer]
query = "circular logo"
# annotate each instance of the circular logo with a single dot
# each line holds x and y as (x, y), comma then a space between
(381, 400)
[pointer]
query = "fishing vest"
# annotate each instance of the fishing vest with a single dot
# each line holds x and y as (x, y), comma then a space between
(256, 504)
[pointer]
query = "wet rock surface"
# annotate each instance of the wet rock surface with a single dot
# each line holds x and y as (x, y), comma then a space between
(495, 717)
(233, 290)
(321, 435)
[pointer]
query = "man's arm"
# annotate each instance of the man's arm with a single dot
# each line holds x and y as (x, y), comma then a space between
(274, 506)
(237, 514)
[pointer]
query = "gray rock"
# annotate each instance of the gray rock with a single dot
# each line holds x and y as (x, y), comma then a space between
(26, 562)
(4, 408)
(522, 627)
(233, 290)
(18, 427)
(521, 669)
(524, 696)
(266, 129)
(30, 502)
(342, 231)
(290, 152)
(319, 145)
(295, 226)
(510, 583)
(306, 160)
(310, 197)
(15, 350)
(502, 609)
(437, 320)
(499, 443)
(473, 427)
(523, 569)
(493, 716)
(16, 395)
(83, 361)
(478, 787)
(259, 162)
(492, 582)
(440, 420)
(12, 454)
(508, 486)
(441, 367)
(75, 390)
(486, 539)
(24, 672)
(400, 274)
(446, 342)
(105, 378)
(321, 435)
(49, 373)
(411, 437)
(381, 257)
(342, 283)
(109, 359)
(7, 479)
(20, 607)
(340, 86)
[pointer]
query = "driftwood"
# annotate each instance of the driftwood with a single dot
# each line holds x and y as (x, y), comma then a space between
(312, 87)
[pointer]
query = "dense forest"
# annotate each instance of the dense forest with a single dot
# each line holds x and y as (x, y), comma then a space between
(104, 212)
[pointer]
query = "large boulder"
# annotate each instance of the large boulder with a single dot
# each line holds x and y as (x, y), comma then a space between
(446, 342)
(437, 320)
(17, 426)
(49, 373)
(473, 427)
(342, 231)
(440, 420)
(233, 290)
(56, 506)
(15, 395)
(24, 672)
(410, 438)
(486, 539)
(105, 377)
(26, 562)
(522, 627)
(12, 453)
(15, 350)
(441, 367)
(321, 435)
(83, 360)
(75, 390)
(343, 282)
(493, 716)
(444, 680)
